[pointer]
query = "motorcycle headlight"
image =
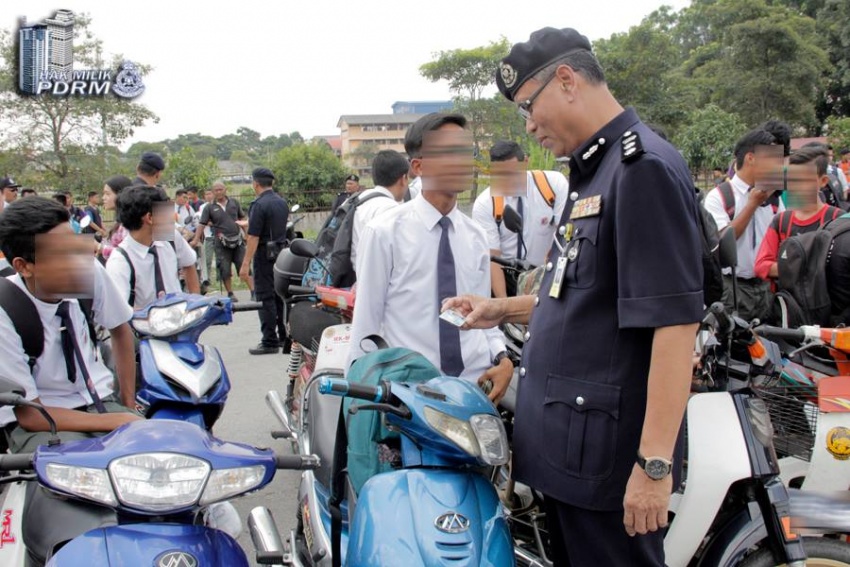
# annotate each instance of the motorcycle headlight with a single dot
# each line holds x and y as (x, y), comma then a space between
(85, 482)
(168, 320)
(159, 482)
(483, 436)
(225, 483)
(759, 418)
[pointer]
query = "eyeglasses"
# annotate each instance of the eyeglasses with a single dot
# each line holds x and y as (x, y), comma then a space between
(524, 107)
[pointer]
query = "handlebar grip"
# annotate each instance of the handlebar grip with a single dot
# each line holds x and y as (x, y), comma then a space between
(719, 311)
(297, 462)
(19, 462)
(248, 306)
(301, 290)
(769, 332)
(342, 387)
(502, 262)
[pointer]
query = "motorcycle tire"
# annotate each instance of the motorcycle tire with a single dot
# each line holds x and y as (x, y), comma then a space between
(822, 552)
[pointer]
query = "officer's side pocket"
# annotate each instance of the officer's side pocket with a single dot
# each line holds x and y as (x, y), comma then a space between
(582, 254)
(580, 426)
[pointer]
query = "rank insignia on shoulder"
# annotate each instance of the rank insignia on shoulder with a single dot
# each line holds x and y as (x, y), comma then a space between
(632, 147)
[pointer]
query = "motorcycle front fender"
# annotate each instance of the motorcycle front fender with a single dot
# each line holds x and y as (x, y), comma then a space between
(429, 517)
(158, 545)
(738, 535)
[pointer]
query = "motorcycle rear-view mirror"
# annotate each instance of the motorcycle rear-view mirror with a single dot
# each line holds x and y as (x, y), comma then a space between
(304, 248)
(85, 222)
(728, 248)
(294, 208)
(512, 220)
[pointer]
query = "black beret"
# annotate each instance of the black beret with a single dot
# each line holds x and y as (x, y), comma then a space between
(526, 59)
(352, 177)
(262, 172)
(8, 182)
(153, 160)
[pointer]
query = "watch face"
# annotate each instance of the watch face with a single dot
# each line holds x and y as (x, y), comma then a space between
(656, 469)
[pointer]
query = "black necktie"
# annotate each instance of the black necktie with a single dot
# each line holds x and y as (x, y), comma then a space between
(451, 360)
(71, 350)
(519, 236)
(157, 272)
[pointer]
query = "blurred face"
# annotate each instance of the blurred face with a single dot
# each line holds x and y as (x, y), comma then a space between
(208, 196)
(447, 162)
(768, 168)
(193, 196)
(10, 194)
(162, 220)
(219, 192)
(95, 200)
(803, 185)
(508, 178)
(63, 264)
(109, 198)
(351, 186)
(180, 200)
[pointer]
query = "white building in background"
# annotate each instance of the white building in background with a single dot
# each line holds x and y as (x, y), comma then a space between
(60, 28)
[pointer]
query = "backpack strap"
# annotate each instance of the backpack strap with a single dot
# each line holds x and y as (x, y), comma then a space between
(338, 468)
(87, 307)
(785, 224)
(830, 215)
(132, 299)
(498, 209)
(25, 319)
(727, 195)
(543, 186)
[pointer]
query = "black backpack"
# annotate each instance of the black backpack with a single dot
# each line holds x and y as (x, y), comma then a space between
(712, 285)
(334, 240)
(803, 294)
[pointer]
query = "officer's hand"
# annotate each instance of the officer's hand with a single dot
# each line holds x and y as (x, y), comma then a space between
(244, 272)
(500, 376)
(480, 312)
(646, 502)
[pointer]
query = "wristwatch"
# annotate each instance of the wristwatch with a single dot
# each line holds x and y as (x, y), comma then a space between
(655, 468)
(499, 357)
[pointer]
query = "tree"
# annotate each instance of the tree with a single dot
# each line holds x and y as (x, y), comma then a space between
(309, 174)
(839, 132)
(469, 72)
(186, 169)
(709, 138)
(46, 129)
(363, 154)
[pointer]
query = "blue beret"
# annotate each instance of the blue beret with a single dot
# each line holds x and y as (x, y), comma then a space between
(544, 47)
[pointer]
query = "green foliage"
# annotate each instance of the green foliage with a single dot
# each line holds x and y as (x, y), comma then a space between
(709, 137)
(308, 174)
(186, 169)
(839, 132)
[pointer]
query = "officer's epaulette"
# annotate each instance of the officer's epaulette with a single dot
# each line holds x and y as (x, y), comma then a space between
(632, 148)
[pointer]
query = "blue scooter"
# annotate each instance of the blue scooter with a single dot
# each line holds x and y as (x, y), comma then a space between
(139, 495)
(438, 508)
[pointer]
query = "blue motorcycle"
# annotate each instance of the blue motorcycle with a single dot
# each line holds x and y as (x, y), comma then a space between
(141, 494)
(437, 508)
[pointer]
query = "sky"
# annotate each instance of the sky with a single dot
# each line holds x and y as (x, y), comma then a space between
(278, 66)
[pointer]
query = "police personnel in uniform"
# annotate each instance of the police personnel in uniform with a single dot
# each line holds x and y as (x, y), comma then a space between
(606, 367)
(267, 217)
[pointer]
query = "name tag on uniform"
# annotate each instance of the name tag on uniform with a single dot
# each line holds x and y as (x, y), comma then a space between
(558, 278)
(588, 207)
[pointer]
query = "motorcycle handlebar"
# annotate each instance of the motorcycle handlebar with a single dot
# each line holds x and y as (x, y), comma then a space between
(724, 324)
(248, 306)
(297, 462)
(769, 332)
(342, 387)
(513, 264)
(19, 462)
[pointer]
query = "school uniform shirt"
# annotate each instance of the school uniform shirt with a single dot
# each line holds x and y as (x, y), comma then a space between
(769, 249)
(415, 187)
(397, 283)
(538, 219)
(171, 260)
(49, 378)
(366, 212)
(750, 240)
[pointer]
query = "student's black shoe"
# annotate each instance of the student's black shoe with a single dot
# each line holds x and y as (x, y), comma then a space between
(262, 349)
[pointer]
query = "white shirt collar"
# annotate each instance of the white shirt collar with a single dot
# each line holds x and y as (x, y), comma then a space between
(431, 216)
(739, 185)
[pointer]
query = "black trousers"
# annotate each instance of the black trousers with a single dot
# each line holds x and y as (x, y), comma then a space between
(271, 314)
(587, 538)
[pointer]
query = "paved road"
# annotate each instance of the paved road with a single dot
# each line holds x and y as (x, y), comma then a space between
(247, 418)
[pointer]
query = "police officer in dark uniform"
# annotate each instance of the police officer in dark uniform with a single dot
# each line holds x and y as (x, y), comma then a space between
(150, 168)
(352, 186)
(267, 218)
(606, 367)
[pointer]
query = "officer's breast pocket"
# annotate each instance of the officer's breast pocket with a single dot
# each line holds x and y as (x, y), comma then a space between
(583, 254)
(580, 426)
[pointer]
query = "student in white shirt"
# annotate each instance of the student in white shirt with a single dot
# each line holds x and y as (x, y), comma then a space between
(403, 269)
(389, 172)
(66, 266)
(518, 189)
(145, 213)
